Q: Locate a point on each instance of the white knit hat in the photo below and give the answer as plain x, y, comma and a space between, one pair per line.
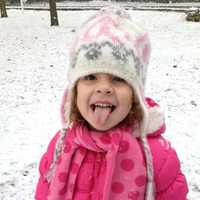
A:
111, 42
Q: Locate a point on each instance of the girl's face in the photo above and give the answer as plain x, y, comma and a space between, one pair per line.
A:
103, 100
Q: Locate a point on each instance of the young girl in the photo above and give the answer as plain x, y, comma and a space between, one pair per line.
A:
111, 145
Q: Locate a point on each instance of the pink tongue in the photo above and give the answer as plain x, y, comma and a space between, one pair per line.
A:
101, 114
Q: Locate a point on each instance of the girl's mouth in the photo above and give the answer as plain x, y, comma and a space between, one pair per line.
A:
108, 106
102, 112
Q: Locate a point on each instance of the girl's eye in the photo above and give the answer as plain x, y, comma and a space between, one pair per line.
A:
89, 77
118, 79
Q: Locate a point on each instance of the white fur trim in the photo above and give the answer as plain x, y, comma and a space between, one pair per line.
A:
155, 119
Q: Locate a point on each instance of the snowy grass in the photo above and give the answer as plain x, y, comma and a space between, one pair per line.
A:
33, 64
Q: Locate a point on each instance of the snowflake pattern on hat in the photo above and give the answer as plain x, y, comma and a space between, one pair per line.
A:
93, 51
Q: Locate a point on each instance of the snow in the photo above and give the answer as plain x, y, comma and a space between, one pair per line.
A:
33, 64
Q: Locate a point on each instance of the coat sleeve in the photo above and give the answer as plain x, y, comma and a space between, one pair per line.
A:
170, 183
45, 162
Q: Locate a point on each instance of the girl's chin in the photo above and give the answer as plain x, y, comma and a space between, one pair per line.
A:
105, 127
97, 127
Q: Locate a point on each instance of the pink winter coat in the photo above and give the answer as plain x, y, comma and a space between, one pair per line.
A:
170, 183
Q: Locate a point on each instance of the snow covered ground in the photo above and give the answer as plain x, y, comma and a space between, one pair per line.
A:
33, 64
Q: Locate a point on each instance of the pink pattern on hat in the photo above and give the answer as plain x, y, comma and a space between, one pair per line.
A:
105, 26
143, 48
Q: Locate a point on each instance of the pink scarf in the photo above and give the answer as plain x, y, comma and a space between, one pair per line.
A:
124, 176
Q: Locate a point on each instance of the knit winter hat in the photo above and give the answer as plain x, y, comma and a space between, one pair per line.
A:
110, 42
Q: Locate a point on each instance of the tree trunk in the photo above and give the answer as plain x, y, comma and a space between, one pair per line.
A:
53, 13
3, 8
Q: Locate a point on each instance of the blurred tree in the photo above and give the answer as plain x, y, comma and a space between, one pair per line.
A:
3, 8
53, 13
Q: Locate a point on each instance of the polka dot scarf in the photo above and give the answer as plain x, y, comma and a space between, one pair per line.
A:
124, 176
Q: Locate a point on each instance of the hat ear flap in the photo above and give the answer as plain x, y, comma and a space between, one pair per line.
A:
156, 122
66, 107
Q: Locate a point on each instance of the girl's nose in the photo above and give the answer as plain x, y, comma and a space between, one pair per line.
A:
104, 88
